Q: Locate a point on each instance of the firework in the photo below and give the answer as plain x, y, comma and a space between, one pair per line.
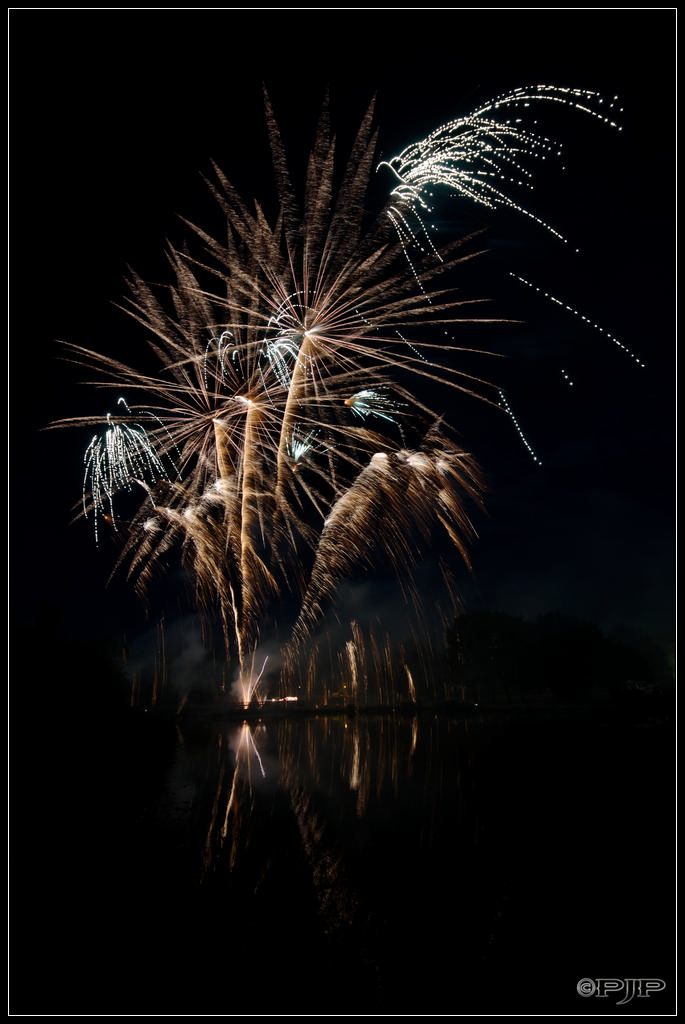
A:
371, 402
124, 455
299, 452
482, 157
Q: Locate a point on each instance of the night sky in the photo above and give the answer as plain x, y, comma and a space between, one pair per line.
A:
115, 115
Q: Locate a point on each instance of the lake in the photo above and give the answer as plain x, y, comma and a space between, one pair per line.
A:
350, 864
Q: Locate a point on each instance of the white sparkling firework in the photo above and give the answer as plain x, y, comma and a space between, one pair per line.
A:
114, 462
480, 157
372, 402
281, 354
300, 446
218, 351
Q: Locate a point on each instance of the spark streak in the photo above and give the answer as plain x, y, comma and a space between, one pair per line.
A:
508, 409
581, 316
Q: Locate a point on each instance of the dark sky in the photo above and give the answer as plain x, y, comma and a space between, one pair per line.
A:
116, 114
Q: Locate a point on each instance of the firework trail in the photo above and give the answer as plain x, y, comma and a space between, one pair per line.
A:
289, 442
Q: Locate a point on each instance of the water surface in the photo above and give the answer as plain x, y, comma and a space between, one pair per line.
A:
359, 864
